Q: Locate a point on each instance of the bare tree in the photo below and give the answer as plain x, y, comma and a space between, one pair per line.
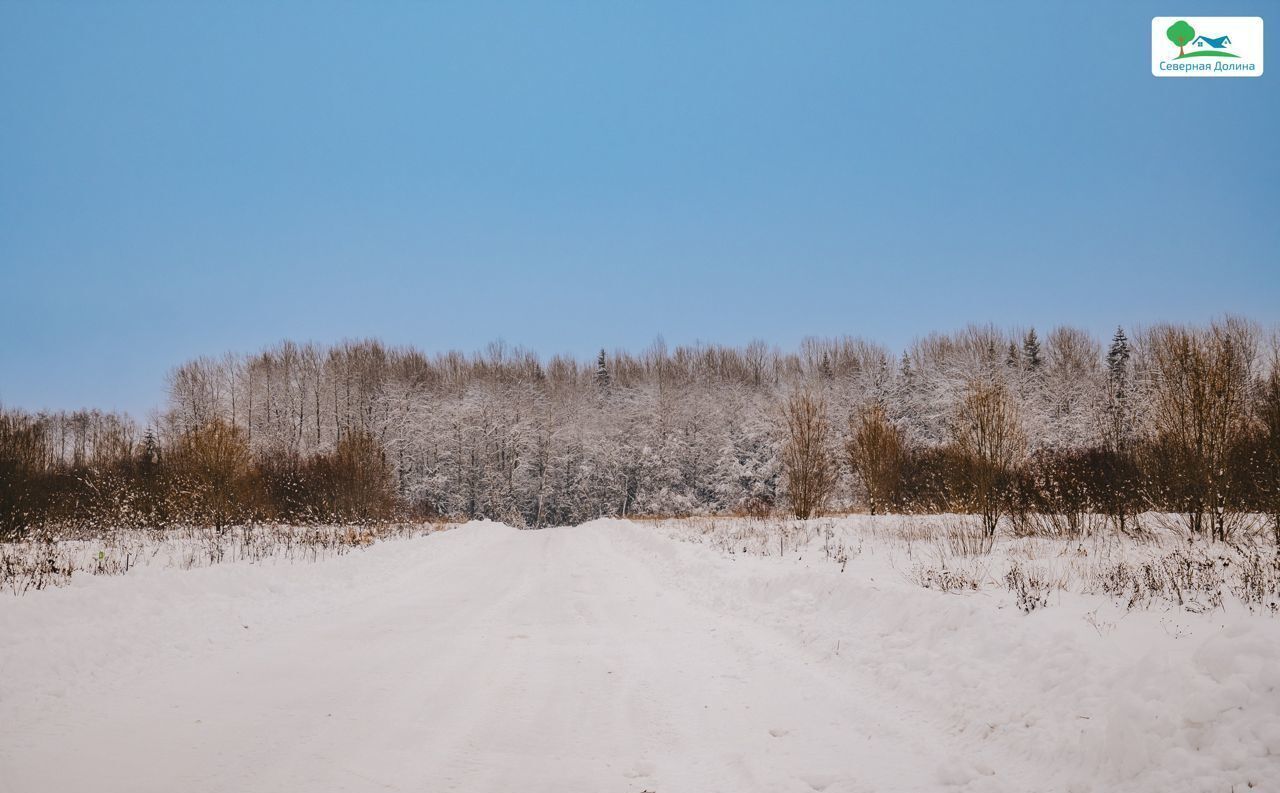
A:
214, 467
989, 443
1180, 423
1267, 463
806, 460
876, 451
353, 482
22, 458
1201, 410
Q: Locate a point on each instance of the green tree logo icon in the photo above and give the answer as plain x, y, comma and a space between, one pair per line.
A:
1181, 34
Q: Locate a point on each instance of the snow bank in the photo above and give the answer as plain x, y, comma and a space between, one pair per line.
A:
1078, 696
101, 632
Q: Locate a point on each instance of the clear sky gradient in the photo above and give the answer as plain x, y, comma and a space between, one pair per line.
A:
178, 180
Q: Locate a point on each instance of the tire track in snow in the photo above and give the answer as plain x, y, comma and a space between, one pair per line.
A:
563, 659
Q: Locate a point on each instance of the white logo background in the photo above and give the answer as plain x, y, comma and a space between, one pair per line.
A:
1246, 42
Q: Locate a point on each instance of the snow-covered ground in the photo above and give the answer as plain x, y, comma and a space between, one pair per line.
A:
617, 656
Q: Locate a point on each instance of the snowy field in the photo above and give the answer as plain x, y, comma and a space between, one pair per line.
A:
856, 654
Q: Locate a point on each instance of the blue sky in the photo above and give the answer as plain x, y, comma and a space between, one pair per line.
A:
180, 179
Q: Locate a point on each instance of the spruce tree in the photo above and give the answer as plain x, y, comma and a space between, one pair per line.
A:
882, 375
1118, 357
150, 448
824, 367
1031, 350
602, 371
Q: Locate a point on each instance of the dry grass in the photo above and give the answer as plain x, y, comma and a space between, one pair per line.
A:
1150, 568
39, 563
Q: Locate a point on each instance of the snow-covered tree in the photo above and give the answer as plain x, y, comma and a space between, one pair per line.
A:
1031, 351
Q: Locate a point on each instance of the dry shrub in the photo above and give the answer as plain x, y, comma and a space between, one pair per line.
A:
964, 538
944, 578
1200, 406
1255, 580
757, 507
988, 443
1030, 586
1190, 578
806, 458
214, 467
30, 564
877, 452
25, 566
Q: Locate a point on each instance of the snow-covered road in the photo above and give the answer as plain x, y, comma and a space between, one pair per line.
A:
479, 659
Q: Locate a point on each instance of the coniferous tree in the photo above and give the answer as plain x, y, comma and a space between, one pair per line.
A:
150, 448
1117, 413
602, 371
1031, 351
690, 430
824, 367
1119, 491
1118, 358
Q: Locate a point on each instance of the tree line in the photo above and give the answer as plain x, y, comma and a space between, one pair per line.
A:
1047, 435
